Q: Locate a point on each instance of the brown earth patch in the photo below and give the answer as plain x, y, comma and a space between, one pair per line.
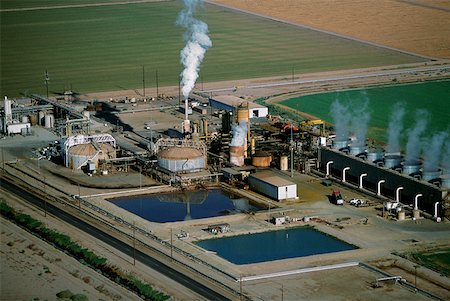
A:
421, 26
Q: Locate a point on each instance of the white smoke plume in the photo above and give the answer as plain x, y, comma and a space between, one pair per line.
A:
360, 122
239, 132
433, 151
341, 117
395, 128
446, 158
197, 42
413, 144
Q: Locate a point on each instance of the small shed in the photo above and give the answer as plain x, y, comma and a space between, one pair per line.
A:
272, 185
279, 219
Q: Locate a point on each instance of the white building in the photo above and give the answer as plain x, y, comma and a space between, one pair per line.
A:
272, 185
231, 103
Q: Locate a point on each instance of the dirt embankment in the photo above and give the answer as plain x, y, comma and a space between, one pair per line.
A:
421, 27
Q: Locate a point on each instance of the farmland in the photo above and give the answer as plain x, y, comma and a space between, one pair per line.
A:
103, 48
432, 97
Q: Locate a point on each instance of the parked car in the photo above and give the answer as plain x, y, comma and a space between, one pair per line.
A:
356, 202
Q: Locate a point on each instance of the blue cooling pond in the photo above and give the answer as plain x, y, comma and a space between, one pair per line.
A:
274, 245
173, 207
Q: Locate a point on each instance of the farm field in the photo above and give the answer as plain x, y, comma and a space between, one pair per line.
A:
430, 96
103, 48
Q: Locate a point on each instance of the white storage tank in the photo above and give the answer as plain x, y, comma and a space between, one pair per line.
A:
272, 185
182, 159
79, 155
49, 121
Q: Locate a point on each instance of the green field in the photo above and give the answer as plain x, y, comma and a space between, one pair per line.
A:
433, 97
103, 48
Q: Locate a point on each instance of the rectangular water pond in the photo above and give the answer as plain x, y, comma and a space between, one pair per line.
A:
274, 245
186, 205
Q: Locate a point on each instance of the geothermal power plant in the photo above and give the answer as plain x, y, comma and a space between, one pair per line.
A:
269, 162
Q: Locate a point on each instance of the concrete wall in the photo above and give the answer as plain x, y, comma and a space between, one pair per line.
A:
412, 187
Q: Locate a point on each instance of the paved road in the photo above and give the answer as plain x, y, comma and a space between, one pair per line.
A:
114, 242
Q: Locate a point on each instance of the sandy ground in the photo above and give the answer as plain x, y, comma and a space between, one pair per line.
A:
421, 27
31, 269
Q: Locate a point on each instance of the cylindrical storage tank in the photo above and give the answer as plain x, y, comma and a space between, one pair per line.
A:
49, 121
401, 215
445, 182
431, 175
78, 155
261, 159
392, 161
357, 150
87, 114
33, 119
284, 163
237, 155
374, 155
416, 214
205, 127
411, 167
181, 159
340, 144
25, 119
41, 115
242, 115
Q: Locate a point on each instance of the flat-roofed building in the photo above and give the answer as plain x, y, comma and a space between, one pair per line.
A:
272, 185
231, 103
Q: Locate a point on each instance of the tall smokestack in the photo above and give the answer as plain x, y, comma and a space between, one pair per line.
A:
8, 111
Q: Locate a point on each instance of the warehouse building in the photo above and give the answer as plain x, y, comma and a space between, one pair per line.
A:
272, 185
231, 103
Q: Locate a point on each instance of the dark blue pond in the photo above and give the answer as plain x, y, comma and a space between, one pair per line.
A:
274, 245
173, 207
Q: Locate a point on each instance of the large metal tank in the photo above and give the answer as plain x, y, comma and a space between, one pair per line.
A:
242, 114
340, 144
392, 161
81, 153
181, 159
357, 150
374, 155
49, 121
237, 155
284, 163
33, 119
261, 159
430, 175
445, 182
411, 167
41, 116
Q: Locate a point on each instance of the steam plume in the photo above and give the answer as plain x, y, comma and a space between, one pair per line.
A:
341, 118
446, 158
395, 128
239, 134
360, 122
433, 151
413, 144
197, 42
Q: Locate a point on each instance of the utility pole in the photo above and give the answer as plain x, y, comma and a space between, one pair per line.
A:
45, 198
134, 243
171, 243
157, 85
46, 80
143, 80
179, 90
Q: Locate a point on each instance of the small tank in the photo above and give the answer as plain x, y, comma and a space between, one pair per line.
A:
261, 159
411, 167
357, 150
392, 161
430, 175
445, 181
340, 144
374, 155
